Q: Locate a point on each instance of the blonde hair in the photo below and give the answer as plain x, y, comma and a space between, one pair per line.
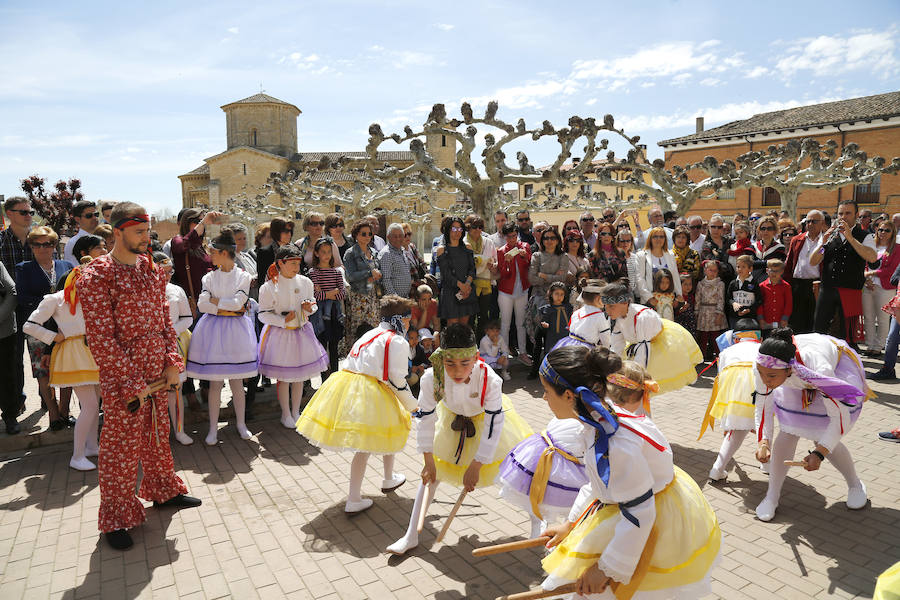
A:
745, 258
621, 395
41, 231
775, 263
650, 233
105, 231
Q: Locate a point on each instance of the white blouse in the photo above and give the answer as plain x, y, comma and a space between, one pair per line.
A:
635, 467
641, 324
284, 296
462, 399
569, 435
54, 306
367, 357
179, 308
590, 324
645, 265
231, 288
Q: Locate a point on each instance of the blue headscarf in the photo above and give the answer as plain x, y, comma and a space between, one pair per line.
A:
396, 323
606, 426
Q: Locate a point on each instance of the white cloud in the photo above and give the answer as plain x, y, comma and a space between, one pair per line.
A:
444, 26
591, 102
833, 55
309, 63
403, 59
528, 95
713, 115
710, 81
233, 30
756, 72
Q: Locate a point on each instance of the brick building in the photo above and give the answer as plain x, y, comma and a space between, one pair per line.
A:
872, 122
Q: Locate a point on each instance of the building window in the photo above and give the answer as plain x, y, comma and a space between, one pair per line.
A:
443, 141
726, 194
771, 197
529, 188
252, 137
245, 168
586, 188
868, 193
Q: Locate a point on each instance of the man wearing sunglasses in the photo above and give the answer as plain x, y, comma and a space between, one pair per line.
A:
695, 227
588, 232
87, 217
523, 224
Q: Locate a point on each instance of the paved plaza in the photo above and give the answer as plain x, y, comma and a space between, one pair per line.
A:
272, 522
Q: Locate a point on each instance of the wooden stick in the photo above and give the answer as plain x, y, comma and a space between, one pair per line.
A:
510, 546
452, 514
537, 593
795, 463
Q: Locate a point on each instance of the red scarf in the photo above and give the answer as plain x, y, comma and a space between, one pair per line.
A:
740, 247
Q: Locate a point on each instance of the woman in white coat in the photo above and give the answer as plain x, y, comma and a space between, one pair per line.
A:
653, 257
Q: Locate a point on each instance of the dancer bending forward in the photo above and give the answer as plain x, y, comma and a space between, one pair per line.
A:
641, 527
815, 385
464, 426
365, 407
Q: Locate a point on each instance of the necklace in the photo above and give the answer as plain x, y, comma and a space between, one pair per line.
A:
50, 274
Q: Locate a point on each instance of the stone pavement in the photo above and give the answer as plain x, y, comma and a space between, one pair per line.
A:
272, 522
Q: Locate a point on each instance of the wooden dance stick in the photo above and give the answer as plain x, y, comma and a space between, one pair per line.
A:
452, 514
510, 546
795, 463
537, 593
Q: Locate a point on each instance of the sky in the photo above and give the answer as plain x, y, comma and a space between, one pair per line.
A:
127, 98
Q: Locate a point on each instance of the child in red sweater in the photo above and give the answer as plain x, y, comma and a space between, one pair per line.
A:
777, 300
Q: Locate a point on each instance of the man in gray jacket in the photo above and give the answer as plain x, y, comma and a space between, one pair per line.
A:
9, 397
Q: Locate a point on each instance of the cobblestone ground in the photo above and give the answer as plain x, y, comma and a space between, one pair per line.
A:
272, 522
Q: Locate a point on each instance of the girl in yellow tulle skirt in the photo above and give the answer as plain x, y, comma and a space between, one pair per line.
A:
365, 407
641, 527
464, 424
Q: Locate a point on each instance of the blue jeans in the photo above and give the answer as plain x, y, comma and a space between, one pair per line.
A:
893, 343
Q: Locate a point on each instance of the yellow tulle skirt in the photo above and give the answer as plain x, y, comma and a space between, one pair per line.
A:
351, 411
887, 587
71, 364
682, 548
446, 442
731, 401
673, 355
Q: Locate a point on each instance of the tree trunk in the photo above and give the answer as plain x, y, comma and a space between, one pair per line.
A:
484, 202
789, 200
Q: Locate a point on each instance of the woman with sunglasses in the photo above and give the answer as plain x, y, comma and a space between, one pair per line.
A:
314, 226
335, 228
878, 290
607, 262
767, 247
652, 258
457, 266
715, 247
548, 266
362, 270
578, 262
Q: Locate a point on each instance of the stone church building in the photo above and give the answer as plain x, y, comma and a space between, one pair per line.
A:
261, 138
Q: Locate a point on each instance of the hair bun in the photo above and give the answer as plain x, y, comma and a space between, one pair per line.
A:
783, 333
602, 362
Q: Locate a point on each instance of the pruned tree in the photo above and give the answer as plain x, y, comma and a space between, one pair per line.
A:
56, 208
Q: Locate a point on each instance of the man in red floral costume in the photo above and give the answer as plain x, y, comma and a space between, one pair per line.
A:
130, 335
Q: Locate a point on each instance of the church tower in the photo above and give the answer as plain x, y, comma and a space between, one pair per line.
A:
262, 122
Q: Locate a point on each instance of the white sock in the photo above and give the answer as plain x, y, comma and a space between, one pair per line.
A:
357, 472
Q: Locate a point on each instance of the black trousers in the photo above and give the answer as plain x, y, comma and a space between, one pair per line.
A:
10, 393
329, 338
19, 365
804, 306
828, 308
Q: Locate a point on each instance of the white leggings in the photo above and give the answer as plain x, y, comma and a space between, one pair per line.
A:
783, 449
731, 442
85, 434
508, 304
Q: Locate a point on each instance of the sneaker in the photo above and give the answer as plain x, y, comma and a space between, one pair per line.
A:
882, 375
82, 464
505, 375
389, 485
890, 436
525, 359
351, 508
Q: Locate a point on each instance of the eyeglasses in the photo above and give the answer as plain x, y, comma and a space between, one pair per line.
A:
523, 219
21, 211
605, 233
456, 229
625, 241
572, 228
364, 234
716, 226
884, 231
92, 215
338, 225
767, 228
696, 226
42, 244
550, 238
316, 223
587, 220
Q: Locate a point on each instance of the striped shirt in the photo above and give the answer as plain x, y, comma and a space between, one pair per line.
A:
326, 280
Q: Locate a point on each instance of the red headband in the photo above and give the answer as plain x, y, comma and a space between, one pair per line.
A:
131, 221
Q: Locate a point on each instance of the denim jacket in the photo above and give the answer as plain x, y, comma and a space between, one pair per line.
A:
356, 268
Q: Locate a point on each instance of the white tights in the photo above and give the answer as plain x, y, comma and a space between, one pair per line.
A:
783, 449
358, 471
85, 435
730, 443
215, 401
290, 394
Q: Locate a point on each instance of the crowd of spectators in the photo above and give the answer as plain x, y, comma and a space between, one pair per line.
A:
835, 275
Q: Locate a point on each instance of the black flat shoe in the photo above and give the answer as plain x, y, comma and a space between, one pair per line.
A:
179, 501
57, 425
119, 539
69, 420
12, 427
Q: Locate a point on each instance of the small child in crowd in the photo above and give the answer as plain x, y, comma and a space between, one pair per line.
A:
426, 339
418, 361
494, 350
742, 298
685, 315
777, 301
710, 308
742, 245
554, 319
329, 294
664, 294
425, 312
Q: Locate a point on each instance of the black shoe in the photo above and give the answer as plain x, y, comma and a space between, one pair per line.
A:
12, 427
179, 501
69, 421
58, 424
119, 539
882, 375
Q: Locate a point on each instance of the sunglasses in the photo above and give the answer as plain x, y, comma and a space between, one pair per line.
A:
456, 229
520, 220
316, 223
364, 234
716, 226
604, 233
42, 244
696, 226
338, 225
884, 231
22, 211
92, 215
588, 220
767, 229
550, 238
625, 241
572, 228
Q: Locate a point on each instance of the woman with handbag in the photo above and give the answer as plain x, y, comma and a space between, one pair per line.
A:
362, 272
